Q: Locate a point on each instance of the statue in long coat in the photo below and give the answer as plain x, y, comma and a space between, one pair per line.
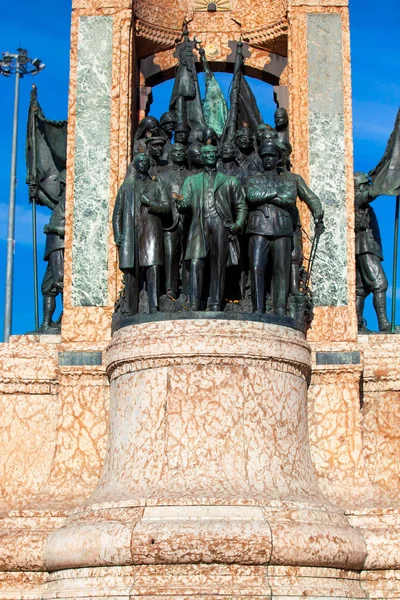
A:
138, 233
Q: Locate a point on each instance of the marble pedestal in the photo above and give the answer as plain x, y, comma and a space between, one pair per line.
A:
208, 486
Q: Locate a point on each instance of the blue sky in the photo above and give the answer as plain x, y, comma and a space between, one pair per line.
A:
43, 28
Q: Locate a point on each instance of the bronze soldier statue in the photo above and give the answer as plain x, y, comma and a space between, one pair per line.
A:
53, 280
281, 119
172, 178
271, 230
265, 133
370, 275
210, 136
155, 150
182, 132
314, 205
148, 127
247, 157
218, 208
138, 233
168, 121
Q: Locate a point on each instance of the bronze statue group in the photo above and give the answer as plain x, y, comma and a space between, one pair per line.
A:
206, 218
198, 220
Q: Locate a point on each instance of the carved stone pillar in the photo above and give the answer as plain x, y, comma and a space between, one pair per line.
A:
321, 130
99, 140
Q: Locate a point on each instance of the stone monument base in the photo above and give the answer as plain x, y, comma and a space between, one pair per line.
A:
208, 486
205, 582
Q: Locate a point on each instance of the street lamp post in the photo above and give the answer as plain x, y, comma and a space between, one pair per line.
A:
19, 65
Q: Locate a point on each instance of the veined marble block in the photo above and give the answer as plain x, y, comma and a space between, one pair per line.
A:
327, 154
92, 162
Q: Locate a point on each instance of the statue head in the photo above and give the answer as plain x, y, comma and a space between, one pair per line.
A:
361, 181
141, 162
281, 118
210, 136
178, 154
182, 131
148, 127
168, 120
244, 138
198, 134
194, 156
265, 133
270, 154
155, 146
228, 152
209, 155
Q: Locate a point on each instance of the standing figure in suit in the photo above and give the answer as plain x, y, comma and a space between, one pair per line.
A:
218, 207
172, 178
138, 233
271, 230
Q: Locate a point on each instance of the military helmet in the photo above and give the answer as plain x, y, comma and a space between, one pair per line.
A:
360, 177
168, 117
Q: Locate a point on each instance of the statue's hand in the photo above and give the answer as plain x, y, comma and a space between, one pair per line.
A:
318, 214
235, 228
46, 229
33, 188
178, 197
118, 240
144, 200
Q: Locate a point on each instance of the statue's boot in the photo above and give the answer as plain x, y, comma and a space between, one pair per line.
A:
380, 308
153, 287
360, 302
294, 279
49, 307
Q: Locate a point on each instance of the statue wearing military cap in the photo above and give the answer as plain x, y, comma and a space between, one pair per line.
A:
270, 228
370, 275
182, 132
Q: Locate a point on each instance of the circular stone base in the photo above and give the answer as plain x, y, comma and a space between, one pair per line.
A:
204, 581
208, 456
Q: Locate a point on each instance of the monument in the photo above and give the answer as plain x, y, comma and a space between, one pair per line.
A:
206, 421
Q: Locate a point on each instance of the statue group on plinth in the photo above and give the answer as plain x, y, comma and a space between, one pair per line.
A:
206, 218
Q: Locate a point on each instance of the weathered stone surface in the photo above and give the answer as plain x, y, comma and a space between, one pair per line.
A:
92, 162
327, 154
